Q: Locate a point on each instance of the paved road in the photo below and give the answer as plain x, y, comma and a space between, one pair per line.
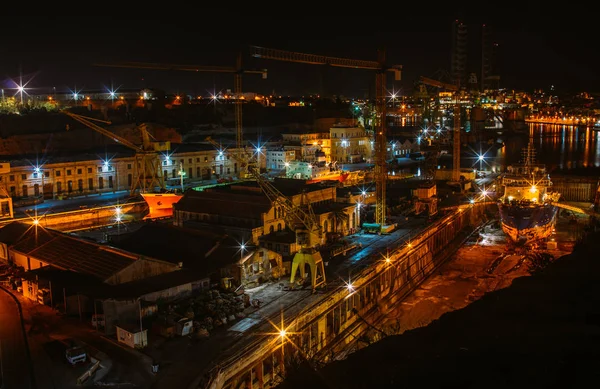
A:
16, 367
45, 331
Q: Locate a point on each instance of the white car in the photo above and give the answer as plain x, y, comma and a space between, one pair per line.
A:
76, 355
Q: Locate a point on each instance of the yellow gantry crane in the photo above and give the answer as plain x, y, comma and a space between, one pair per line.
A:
147, 168
299, 218
380, 127
237, 70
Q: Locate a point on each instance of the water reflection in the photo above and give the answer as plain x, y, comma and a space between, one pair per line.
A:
557, 147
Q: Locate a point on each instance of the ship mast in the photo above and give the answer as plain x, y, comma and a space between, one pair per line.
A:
529, 154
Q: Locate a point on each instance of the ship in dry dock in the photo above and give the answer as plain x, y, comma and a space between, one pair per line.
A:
527, 206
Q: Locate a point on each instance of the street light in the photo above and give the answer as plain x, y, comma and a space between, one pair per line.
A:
39, 173
20, 89
481, 158
181, 174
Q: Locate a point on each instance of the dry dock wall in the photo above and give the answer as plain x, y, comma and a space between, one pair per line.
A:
332, 326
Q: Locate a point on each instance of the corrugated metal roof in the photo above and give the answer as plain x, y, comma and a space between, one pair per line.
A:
69, 253
243, 205
171, 243
12, 232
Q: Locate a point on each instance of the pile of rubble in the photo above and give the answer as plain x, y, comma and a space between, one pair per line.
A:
212, 309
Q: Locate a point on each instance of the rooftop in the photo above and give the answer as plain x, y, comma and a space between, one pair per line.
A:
149, 285
171, 243
93, 154
69, 253
225, 202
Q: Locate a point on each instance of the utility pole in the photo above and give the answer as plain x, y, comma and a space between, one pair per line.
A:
181, 174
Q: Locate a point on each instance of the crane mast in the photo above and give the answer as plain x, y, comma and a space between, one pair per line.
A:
239, 135
457, 120
380, 145
380, 134
147, 171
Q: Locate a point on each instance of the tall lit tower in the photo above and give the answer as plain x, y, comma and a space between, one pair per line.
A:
458, 64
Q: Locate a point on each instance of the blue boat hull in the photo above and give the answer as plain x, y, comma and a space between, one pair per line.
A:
524, 224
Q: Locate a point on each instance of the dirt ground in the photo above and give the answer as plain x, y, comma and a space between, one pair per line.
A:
468, 275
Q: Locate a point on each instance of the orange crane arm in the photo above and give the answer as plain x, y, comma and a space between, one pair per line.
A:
87, 122
313, 59
438, 84
185, 68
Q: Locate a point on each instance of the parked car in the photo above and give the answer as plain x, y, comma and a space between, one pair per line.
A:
75, 355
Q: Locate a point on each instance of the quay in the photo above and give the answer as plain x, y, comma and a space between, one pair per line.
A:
566, 121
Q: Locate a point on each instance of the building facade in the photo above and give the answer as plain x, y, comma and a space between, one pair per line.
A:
79, 176
278, 159
350, 144
248, 215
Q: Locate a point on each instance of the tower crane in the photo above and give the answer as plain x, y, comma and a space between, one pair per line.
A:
147, 174
380, 133
300, 218
456, 130
237, 70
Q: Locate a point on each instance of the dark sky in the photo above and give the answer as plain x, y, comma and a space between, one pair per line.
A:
537, 48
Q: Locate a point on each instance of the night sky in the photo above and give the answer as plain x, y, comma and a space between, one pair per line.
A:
537, 48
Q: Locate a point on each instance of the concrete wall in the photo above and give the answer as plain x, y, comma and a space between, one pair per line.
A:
575, 188
90, 218
140, 269
177, 292
25, 261
119, 311
138, 339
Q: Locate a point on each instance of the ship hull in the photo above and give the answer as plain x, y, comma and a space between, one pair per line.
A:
525, 224
161, 204
337, 177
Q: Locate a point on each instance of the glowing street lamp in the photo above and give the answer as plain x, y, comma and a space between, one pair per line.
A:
181, 174
481, 158
21, 89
